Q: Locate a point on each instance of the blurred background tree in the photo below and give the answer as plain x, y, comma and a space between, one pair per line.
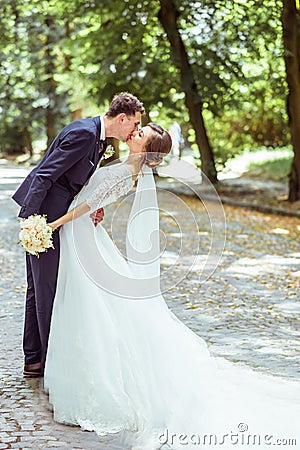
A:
291, 38
215, 67
30, 60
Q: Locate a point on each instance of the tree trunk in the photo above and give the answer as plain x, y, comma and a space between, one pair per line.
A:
77, 113
67, 56
50, 83
291, 40
168, 16
28, 140
50, 126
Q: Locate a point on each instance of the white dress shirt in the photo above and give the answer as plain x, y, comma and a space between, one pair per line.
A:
102, 132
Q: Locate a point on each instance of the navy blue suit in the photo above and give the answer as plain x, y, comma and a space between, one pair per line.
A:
49, 189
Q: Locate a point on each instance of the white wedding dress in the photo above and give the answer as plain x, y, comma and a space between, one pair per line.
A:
120, 361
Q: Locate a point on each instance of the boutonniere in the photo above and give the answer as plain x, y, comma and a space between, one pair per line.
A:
109, 152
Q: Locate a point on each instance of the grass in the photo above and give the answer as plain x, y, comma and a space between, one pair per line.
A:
265, 164
276, 169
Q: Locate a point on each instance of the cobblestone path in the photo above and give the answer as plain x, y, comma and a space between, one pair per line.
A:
247, 311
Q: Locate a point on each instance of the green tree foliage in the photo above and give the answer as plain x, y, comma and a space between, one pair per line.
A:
234, 49
30, 61
251, 110
61, 55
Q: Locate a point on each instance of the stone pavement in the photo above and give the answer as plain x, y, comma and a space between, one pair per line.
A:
247, 311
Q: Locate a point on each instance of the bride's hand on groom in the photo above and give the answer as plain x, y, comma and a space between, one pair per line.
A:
97, 216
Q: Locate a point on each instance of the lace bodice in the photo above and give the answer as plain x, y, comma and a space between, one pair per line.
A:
107, 185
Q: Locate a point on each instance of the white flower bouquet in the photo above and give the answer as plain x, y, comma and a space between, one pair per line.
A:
35, 234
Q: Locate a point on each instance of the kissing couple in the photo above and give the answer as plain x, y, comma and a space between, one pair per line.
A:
114, 358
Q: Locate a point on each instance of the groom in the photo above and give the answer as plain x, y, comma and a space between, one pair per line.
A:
49, 189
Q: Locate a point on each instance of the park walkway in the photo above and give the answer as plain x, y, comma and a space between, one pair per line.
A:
247, 311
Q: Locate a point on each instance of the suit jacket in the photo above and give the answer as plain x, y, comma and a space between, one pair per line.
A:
65, 168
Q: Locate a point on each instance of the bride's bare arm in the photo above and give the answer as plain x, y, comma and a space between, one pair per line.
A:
71, 215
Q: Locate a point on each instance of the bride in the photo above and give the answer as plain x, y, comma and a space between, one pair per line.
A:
119, 361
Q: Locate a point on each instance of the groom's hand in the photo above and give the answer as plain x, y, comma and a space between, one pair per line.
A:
97, 216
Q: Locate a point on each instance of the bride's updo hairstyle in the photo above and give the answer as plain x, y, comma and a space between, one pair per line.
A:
157, 146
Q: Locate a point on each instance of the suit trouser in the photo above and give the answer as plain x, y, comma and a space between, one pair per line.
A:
41, 285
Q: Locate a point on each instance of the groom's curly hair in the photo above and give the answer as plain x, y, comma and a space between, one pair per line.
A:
158, 145
125, 103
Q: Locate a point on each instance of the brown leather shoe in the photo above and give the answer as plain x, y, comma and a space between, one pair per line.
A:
33, 370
